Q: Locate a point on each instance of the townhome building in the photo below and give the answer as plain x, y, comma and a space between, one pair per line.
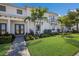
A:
12, 20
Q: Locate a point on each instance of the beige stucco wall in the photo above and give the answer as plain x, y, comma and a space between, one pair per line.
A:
3, 21
13, 10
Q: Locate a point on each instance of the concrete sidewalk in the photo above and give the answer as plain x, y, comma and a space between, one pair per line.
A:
77, 54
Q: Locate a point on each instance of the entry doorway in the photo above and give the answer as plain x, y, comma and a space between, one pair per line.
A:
19, 29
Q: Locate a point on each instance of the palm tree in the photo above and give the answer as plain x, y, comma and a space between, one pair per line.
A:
77, 19
74, 16
65, 22
37, 14
60, 20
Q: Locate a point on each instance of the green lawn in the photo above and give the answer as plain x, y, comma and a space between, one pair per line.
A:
4, 48
54, 46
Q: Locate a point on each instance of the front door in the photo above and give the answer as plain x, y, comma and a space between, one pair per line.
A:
19, 29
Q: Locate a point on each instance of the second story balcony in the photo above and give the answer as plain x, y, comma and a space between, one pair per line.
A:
11, 17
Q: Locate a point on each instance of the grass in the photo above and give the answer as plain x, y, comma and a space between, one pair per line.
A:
4, 48
54, 46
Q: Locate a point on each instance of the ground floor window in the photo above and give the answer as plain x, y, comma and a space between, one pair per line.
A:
3, 28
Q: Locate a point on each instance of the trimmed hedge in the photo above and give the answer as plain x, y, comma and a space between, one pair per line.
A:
29, 37
6, 38
44, 35
32, 37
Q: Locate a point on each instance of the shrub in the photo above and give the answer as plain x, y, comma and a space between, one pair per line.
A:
29, 37
6, 34
13, 37
26, 38
6, 38
36, 36
55, 33
44, 35
74, 31
48, 35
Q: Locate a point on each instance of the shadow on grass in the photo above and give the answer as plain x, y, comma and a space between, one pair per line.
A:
34, 43
73, 42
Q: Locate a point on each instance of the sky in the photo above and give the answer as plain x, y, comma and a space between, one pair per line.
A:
59, 8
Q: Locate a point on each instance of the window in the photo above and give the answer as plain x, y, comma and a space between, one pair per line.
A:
2, 28
52, 18
2, 8
19, 11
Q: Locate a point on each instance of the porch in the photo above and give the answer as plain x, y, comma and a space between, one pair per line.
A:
13, 25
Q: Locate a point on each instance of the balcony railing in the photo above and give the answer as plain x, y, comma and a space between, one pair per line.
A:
10, 17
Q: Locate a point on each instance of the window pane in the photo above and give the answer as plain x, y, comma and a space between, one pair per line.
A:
2, 8
17, 29
3, 27
21, 31
21, 27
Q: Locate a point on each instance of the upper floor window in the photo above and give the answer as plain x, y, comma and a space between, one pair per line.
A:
2, 8
52, 18
19, 11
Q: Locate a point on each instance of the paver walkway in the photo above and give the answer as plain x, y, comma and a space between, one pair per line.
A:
18, 47
77, 54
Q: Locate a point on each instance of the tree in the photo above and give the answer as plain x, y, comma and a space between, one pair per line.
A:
77, 19
65, 22
60, 19
74, 16
37, 14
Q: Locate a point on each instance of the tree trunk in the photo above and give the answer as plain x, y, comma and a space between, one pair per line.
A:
35, 27
77, 27
62, 29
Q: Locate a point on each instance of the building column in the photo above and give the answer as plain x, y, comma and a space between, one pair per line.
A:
8, 26
27, 26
